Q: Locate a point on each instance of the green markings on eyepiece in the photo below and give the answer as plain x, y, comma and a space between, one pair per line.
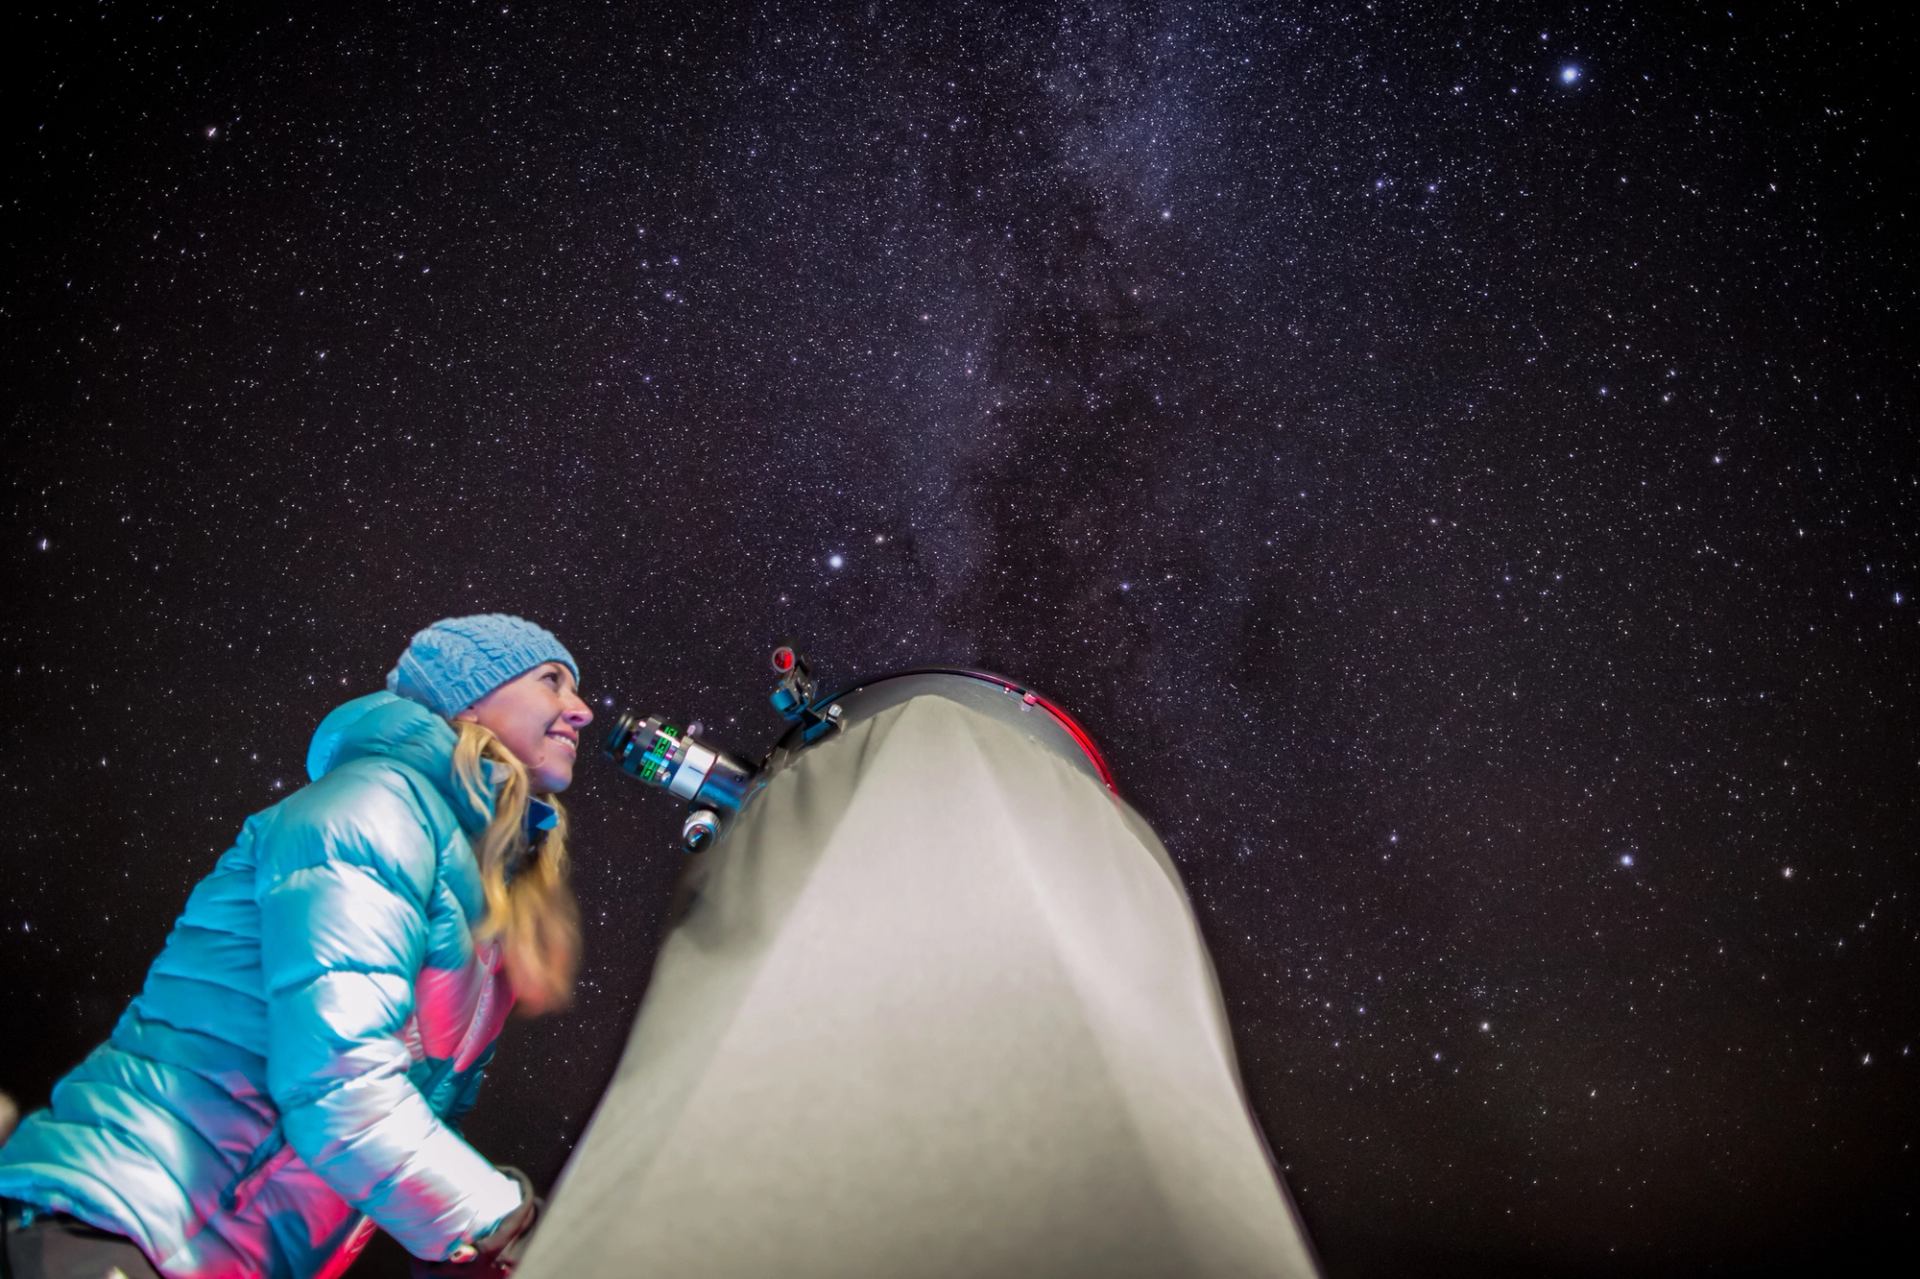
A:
658, 762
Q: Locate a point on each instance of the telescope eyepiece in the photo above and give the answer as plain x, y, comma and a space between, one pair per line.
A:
673, 759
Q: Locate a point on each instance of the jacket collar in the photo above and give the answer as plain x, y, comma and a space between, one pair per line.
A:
541, 816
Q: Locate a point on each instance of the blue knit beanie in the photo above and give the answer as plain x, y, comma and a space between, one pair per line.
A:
459, 660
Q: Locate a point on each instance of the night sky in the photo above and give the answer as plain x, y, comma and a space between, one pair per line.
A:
1462, 469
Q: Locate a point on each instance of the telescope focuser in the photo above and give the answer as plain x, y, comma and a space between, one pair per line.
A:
714, 783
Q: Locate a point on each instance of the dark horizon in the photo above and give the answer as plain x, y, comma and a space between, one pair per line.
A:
1460, 467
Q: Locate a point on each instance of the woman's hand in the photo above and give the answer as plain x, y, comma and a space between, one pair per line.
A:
494, 1254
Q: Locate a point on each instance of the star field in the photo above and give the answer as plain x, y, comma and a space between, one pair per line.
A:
1460, 466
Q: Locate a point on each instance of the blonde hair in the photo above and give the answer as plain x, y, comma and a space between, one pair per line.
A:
530, 905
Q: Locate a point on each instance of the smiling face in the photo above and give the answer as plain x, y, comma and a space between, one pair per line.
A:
538, 716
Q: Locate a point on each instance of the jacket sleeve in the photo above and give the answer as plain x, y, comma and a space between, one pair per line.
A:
343, 888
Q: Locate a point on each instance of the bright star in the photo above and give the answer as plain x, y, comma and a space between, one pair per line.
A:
836, 561
1569, 73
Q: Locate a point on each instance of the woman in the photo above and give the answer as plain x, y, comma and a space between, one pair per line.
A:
293, 1071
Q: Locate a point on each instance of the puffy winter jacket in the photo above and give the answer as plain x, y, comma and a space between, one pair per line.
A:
291, 1073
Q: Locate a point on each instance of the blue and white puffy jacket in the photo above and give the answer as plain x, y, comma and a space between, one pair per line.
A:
290, 1076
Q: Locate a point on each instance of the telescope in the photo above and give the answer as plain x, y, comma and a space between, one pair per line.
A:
932, 1003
